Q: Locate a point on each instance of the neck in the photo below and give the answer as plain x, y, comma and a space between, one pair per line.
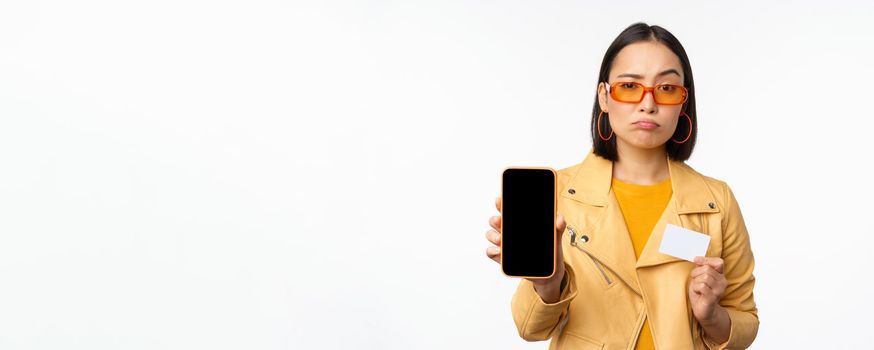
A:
641, 166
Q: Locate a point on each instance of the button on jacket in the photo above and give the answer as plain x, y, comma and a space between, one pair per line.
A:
610, 292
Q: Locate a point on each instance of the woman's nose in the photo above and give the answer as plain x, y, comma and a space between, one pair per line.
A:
648, 104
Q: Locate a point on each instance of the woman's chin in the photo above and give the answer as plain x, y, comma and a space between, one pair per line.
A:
646, 143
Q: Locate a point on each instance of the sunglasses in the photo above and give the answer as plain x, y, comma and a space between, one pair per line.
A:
663, 94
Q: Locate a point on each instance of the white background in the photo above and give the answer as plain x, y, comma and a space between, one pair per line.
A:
319, 175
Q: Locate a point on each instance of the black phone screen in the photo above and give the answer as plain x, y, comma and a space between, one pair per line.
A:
528, 222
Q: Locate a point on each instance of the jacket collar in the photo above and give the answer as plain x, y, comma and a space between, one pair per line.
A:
592, 183
608, 238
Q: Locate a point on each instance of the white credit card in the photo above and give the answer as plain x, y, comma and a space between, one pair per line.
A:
683, 243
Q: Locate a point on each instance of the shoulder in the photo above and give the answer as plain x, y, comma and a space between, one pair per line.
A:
563, 175
568, 171
711, 181
719, 188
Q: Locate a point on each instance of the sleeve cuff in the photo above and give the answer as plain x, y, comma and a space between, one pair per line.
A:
743, 329
536, 319
567, 294
713, 345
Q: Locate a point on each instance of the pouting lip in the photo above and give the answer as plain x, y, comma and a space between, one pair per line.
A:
647, 120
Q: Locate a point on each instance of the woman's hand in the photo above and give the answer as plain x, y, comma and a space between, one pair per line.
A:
548, 289
706, 286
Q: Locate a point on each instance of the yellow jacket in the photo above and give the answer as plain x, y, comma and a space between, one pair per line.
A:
609, 291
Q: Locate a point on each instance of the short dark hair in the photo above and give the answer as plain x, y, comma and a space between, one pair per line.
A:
638, 32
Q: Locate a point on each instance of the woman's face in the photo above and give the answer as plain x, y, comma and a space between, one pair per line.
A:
649, 63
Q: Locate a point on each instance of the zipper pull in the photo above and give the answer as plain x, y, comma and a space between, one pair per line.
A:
573, 236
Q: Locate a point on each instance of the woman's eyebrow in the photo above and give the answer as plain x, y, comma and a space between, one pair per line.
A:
638, 76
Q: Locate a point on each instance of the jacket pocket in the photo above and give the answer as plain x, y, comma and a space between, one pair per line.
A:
601, 270
576, 242
570, 340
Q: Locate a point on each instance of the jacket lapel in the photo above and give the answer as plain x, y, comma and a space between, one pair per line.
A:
691, 195
609, 240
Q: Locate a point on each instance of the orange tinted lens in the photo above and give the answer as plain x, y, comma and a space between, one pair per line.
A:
669, 94
627, 92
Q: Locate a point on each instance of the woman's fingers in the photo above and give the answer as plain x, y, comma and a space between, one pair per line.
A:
716, 263
701, 288
494, 237
713, 276
708, 275
709, 284
699, 271
495, 222
705, 271
494, 253
706, 279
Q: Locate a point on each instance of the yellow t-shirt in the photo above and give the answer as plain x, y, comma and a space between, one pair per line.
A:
642, 206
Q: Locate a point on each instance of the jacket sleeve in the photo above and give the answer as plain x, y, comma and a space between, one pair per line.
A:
535, 319
738, 261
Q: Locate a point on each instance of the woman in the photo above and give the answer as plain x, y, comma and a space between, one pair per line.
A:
613, 288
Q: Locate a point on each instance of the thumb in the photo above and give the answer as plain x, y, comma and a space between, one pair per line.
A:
559, 225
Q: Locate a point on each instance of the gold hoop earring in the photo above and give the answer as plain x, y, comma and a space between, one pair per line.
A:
599, 129
690, 129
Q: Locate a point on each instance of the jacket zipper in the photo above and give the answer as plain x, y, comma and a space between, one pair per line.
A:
595, 261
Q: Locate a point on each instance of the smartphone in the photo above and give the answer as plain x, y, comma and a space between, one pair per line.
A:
528, 205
